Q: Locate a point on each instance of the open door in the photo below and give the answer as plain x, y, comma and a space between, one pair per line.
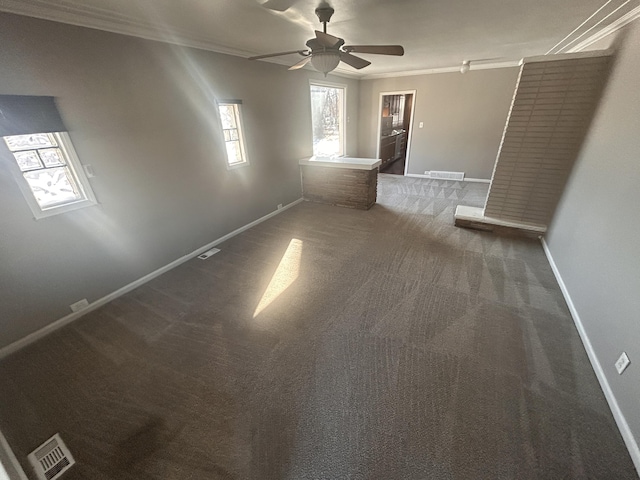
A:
394, 131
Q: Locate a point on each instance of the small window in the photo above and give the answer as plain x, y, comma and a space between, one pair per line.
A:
50, 175
328, 119
40, 156
233, 134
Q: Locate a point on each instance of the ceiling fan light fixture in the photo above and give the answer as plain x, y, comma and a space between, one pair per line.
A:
325, 62
325, 51
466, 66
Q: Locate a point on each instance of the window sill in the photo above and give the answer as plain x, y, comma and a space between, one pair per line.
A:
69, 207
237, 165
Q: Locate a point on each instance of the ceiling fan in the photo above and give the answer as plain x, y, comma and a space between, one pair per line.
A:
325, 51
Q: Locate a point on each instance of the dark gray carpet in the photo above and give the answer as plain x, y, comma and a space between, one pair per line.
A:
394, 346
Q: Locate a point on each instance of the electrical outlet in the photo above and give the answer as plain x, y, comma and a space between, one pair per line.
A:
279, 206
79, 305
421, 125
208, 253
622, 363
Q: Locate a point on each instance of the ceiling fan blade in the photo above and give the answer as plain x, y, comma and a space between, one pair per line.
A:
279, 5
355, 62
327, 40
301, 63
377, 49
258, 57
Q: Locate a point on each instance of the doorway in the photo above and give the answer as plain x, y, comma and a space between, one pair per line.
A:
395, 117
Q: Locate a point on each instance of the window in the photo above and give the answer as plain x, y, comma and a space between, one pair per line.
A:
41, 156
328, 119
233, 135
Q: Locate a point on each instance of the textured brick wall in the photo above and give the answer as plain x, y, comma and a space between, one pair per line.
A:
340, 186
550, 114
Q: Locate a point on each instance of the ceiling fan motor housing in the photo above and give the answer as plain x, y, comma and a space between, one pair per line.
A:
324, 14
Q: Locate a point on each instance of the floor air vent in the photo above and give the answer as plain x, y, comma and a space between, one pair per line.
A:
446, 175
51, 459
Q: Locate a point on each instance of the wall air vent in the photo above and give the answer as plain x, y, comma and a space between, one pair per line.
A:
446, 175
51, 459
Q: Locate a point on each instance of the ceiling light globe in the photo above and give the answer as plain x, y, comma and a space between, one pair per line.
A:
325, 62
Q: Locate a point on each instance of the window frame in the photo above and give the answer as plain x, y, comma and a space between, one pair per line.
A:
73, 163
236, 104
345, 117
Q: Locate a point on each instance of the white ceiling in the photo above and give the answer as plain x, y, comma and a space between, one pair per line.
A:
436, 34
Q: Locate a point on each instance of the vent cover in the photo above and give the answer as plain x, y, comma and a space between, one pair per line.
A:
51, 459
208, 253
446, 175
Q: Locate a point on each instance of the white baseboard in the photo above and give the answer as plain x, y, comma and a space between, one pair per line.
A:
38, 334
416, 175
623, 426
466, 179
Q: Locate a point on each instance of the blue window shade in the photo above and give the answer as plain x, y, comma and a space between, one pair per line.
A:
21, 115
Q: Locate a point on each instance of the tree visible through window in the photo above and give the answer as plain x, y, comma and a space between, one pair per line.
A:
46, 164
45, 168
327, 115
232, 131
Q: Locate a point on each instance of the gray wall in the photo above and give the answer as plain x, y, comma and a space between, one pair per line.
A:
463, 115
142, 114
595, 234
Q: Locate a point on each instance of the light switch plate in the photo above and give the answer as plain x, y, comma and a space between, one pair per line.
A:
622, 363
88, 170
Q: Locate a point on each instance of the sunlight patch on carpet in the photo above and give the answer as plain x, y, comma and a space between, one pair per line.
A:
286, 273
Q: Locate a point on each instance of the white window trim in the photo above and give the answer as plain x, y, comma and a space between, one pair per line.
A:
345, 117
241, 135
64, 141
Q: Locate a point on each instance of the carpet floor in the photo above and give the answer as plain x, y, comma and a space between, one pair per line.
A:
328, 343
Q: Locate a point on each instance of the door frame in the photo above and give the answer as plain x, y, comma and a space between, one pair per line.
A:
409, 133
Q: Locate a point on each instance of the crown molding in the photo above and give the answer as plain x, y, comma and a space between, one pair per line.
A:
613, 27
73, 13
431, 71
